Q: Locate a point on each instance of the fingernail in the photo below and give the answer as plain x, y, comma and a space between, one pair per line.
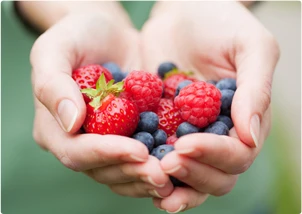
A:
67, 114
178, 171
155, 193
135, 158
255, 128
149, 180
181, 208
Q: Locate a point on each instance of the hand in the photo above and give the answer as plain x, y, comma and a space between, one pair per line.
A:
215, 40
119, 162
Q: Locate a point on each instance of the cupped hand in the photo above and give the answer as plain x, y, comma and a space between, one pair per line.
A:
215, 40
119, 162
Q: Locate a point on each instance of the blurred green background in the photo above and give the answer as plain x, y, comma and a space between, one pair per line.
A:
34, 182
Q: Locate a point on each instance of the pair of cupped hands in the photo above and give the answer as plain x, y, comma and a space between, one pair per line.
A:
213, 39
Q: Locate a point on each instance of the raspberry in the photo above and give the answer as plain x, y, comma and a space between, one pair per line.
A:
199, 103
144, 89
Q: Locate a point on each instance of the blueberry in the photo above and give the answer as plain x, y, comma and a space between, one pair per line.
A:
181, 85
160, 151
213, 82
227, 83
115, 70
146, 138
226, 101
160, 137
148, 122
176, 182
217, 127
165, 68
186, 128
226, 120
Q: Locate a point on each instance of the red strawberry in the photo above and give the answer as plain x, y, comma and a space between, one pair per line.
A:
107, 113
169, 116
87, 76
144, 89
199, 103
171, 81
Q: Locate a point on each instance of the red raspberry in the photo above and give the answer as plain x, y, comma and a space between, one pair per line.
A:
169, 116
171, 82
199, 103
144, 89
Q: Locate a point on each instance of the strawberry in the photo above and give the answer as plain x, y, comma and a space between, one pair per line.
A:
172, 79
169, 116
172, 139
144, 89
87, 76
108, 113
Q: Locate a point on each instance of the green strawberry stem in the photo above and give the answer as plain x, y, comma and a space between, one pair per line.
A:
176, 71
102, 90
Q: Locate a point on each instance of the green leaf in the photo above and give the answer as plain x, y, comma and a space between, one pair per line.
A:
101, 84
90, 92
96, 102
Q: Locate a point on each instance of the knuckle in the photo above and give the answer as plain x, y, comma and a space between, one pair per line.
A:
68, 162
243, 167
273, 45
223, 190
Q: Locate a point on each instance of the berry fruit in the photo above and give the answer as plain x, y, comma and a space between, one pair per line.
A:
169, 116
144, 89
199, 103
186, 128
181, 85
115, 71
171, 81
217, 128
146, 138
148, 122
160, 137
107, 113
160, 151
164, 68
87, 76
226, 101
227, 83
226, 120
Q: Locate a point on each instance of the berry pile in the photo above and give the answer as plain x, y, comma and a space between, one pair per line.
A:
154, 109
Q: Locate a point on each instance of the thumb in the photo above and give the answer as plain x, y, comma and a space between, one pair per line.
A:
255, 67
53, 85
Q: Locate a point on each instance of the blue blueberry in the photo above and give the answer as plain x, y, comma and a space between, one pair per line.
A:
165, 68
226, 83
160, 137
115, 70
148, 122
176, 182
160, 151
213, 82
181, 85
226, 101
146, 138
217, 127
186, 128
226, 120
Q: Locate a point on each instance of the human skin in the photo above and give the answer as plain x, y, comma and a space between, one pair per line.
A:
233, 44
215, 40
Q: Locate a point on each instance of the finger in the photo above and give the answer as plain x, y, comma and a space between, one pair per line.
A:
149, 171
255, 61
182, 198
222, 152
199, 176
52, 60
140, 190
85, 151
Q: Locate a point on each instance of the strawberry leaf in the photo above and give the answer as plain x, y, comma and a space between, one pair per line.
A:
101, 84
90, 92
